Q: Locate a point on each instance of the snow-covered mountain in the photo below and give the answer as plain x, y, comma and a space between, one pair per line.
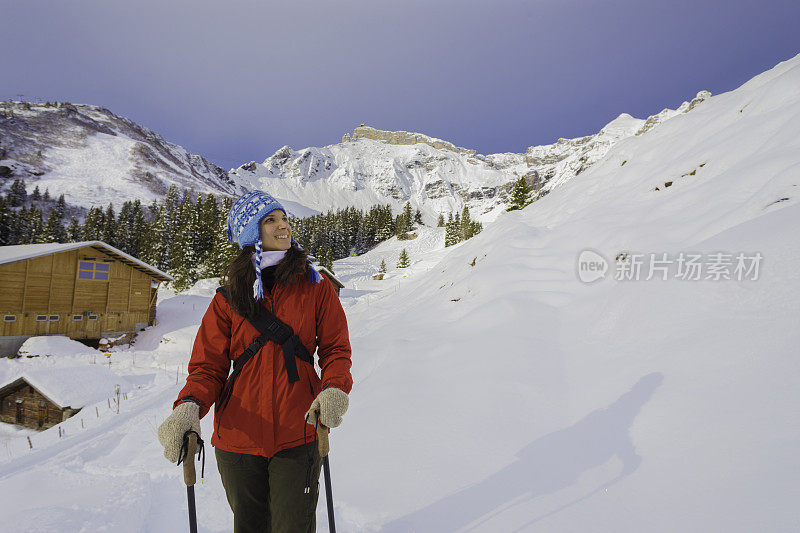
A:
549, 166
373, 166
93, 157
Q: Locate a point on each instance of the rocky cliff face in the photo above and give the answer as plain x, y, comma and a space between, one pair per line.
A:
404, 138
93, 156
375, 166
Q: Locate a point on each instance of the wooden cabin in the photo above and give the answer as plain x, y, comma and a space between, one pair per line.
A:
337, 285
22, 404
84, 290
42, 398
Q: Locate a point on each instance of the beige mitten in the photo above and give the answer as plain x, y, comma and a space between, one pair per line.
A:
185, 417
331, 403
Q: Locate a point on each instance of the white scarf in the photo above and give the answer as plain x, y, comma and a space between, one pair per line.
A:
269, 258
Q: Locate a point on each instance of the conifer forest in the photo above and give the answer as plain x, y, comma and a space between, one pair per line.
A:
185, 234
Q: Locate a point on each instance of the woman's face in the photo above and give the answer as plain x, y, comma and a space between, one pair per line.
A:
275, 232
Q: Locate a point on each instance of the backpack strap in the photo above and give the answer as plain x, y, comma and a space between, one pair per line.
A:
271, 329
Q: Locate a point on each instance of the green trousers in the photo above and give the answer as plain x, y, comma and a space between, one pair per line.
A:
266, 494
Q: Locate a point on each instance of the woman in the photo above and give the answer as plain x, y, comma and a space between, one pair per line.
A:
264, 424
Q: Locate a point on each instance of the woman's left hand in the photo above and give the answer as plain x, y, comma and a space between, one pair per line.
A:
332, 404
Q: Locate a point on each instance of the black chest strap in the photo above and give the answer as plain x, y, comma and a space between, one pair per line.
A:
271, 329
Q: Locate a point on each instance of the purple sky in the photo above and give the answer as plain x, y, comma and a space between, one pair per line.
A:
233, 81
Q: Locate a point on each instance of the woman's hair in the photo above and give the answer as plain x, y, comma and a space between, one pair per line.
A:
240, 276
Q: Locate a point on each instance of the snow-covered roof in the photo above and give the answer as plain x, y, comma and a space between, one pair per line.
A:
73, 386
20, 252
323, 270
53, 345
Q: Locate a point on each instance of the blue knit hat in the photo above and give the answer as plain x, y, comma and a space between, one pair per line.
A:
244, 228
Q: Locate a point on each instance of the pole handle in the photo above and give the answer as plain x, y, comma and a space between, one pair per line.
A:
322, 438
189, 473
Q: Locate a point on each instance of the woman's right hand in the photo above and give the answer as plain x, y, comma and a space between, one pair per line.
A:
185, 417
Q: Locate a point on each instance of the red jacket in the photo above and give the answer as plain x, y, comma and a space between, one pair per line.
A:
265, 413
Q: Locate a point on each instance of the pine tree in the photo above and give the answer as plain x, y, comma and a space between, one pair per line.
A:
475, 228
123, 228
208, 213
6, 220
183, 263
61, 207
385, 229
401, 227
46, 195
451, 231
17, 196
403, 261
418, 217
22, 223
465, 231
408, 215
54, 230
326, 259
73, 230
180, 268
36, 226
163, 230
36, 195
361, 242
93, 225
153, 210
137, 229
440, 222
222, 251
382, 269
109, 231
520, 195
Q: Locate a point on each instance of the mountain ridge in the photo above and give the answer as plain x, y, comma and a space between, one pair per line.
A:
437, 177
94, 156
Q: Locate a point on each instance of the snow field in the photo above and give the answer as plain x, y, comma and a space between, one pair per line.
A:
509, 395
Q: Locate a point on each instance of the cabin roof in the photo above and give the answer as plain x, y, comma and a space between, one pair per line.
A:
21, 252
334, 280
74, 387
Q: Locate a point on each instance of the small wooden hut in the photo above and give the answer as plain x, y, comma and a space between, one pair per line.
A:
337, 285
42, 398
23, 404
84, 290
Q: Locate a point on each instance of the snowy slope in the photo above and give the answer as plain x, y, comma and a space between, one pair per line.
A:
522, 399
509, 395
94, 157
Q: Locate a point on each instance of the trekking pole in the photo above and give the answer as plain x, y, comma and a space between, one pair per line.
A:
324, 448
188, 450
